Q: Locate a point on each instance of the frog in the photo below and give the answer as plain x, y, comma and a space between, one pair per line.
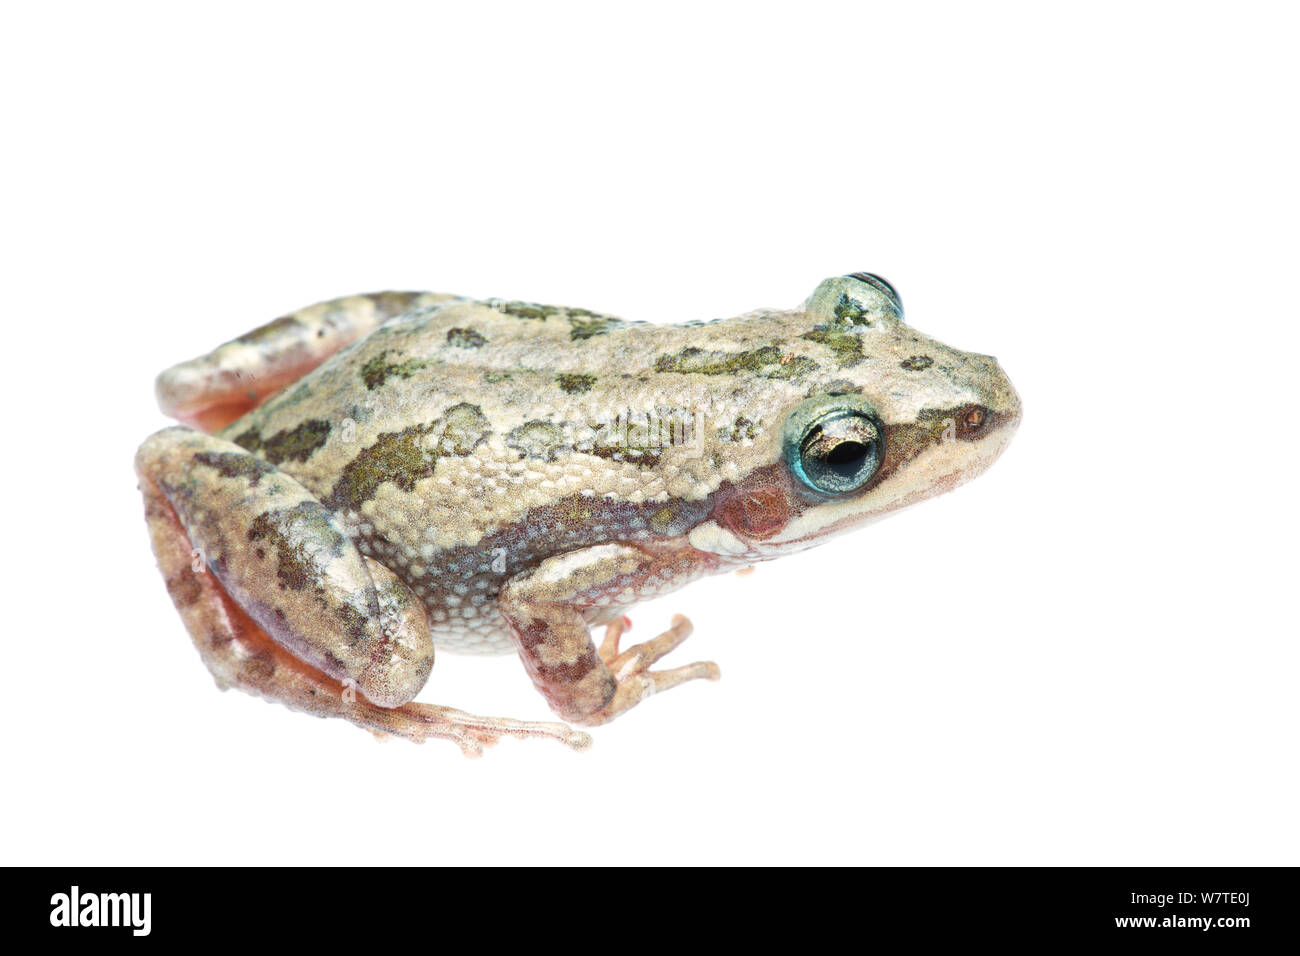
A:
366, 480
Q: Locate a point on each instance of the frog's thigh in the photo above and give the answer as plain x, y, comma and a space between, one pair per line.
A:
239, 654
282, 558
549, 607
213, 390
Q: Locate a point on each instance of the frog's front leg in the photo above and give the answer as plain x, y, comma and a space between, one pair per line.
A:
280, 603
551, 607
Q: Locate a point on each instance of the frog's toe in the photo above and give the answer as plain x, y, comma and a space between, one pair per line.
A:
421, 722
614, 632
631, 668
640, 656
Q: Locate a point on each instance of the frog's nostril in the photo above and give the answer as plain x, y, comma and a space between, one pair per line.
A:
996, 395
1008, 406
1015, 413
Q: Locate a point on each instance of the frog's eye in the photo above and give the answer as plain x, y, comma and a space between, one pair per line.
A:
834, 443
880, 284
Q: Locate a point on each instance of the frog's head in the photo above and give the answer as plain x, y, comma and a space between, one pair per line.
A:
902, 418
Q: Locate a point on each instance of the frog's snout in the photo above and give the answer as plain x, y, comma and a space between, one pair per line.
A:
998, 397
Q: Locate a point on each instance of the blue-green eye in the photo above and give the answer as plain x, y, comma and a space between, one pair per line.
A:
881, 284
834, 443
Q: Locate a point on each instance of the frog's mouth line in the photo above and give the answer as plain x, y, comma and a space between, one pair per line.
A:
939, 466
936, 467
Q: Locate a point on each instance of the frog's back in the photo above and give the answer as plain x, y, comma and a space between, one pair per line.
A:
511, 399
508, 336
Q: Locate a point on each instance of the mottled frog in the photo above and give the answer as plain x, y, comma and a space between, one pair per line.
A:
368, 478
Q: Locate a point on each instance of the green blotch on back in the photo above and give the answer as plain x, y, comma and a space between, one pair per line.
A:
639, 441
769, 361
250, 439
527, 310
697, 361
586, 325
583, 323
296, 444
846, 346
465, 339
642, 457
406, 456
838, 335
378, 370
575, 383
850, 311
538, 439
462, 428
743, 429
400, 457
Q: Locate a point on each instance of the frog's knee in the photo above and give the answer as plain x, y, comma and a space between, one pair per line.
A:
286, 561
160, 448
395, 676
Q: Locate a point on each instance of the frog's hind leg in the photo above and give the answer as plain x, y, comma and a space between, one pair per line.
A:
226, 599
211, 391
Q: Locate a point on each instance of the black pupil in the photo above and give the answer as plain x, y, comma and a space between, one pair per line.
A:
846, 458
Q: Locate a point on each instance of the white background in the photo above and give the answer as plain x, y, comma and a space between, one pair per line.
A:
1088, 656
